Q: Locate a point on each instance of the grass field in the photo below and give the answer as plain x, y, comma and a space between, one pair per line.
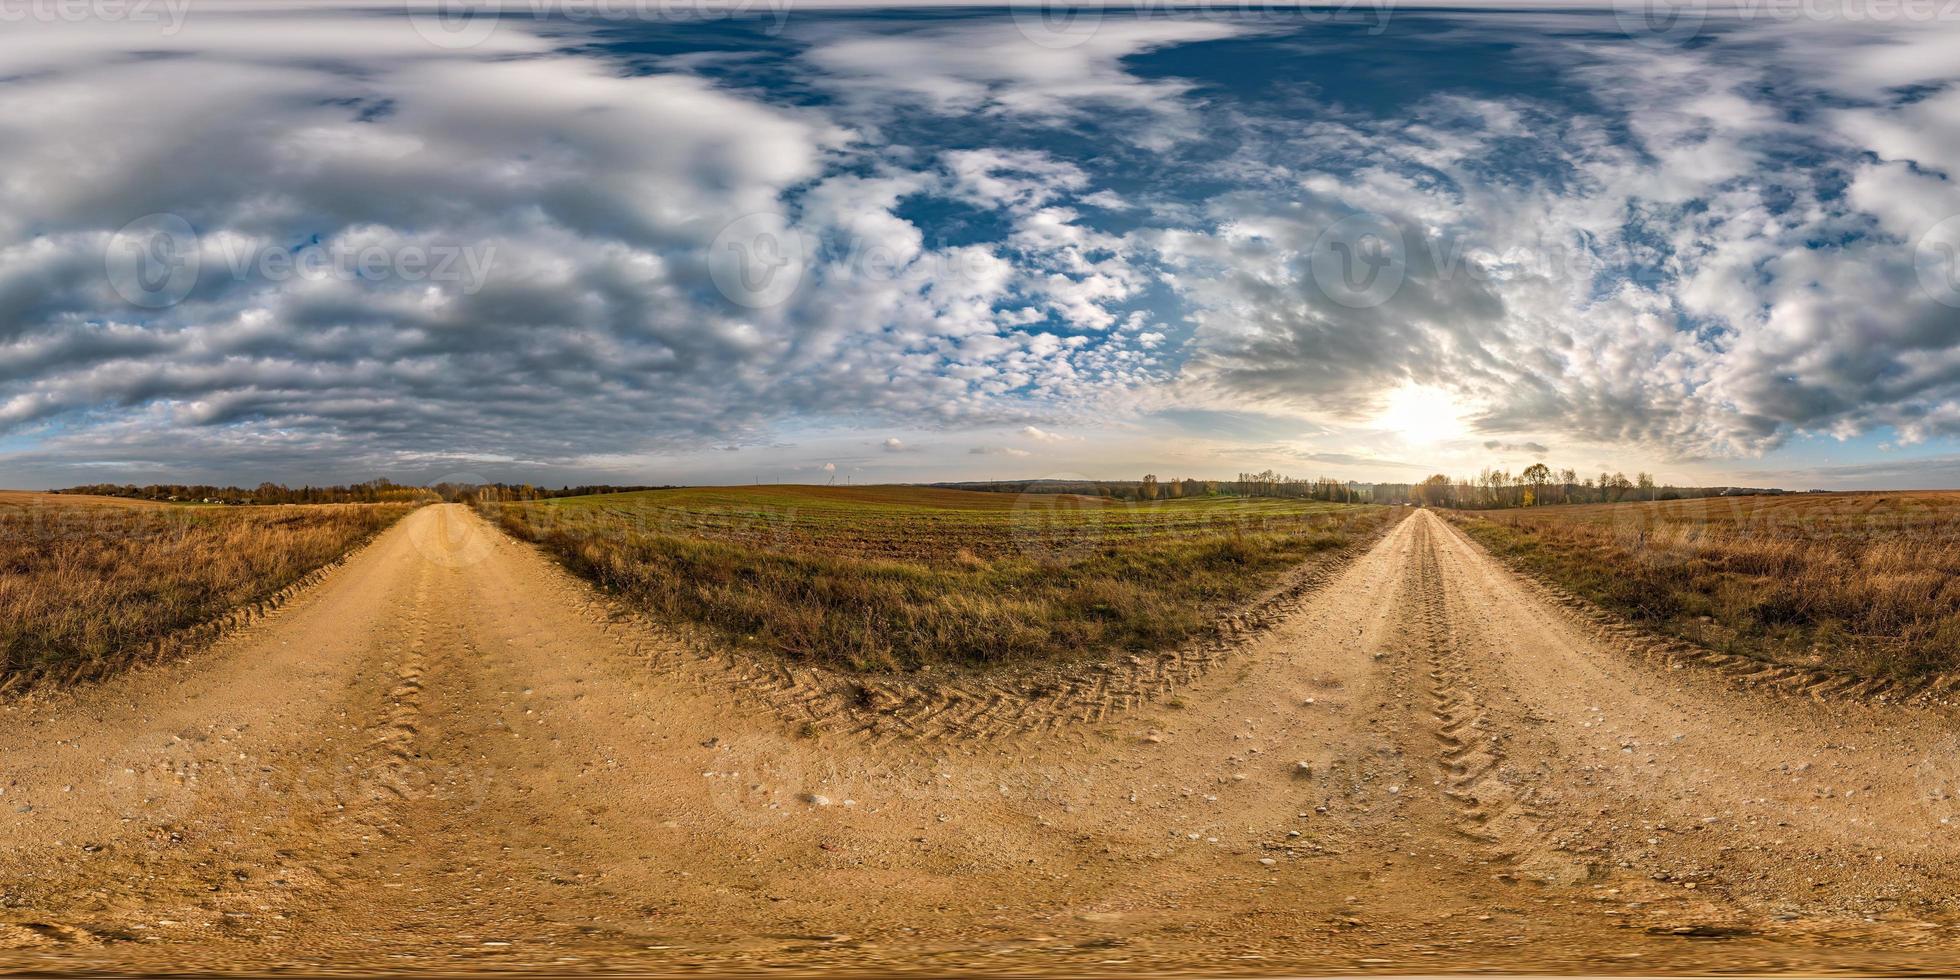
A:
899, 577
1868, 582
87, 583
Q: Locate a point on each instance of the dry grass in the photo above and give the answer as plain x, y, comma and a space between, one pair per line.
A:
1865, 582
88, 583
898, 577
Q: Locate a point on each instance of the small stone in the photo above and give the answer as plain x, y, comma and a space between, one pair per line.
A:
815, 799
1303, 769
1268, 862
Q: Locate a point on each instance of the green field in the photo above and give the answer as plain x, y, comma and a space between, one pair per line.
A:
899, 577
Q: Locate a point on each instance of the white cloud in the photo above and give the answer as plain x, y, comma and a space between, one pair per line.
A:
992, 67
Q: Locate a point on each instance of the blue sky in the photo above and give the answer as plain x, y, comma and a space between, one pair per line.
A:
668, 242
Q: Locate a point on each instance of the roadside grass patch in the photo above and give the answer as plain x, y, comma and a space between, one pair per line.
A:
1864, 582
873, 578
86, 584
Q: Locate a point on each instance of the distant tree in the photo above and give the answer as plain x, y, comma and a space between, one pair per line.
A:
1434, 491
1537, 476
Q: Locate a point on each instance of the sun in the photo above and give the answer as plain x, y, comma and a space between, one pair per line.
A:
1421, 414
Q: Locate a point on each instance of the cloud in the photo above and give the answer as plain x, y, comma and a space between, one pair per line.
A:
1674, 269
896, 445
993, 68
594, 324
989, 235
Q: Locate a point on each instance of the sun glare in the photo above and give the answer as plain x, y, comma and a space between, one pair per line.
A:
1421, 414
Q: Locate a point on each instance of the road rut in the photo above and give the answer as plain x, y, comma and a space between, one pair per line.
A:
449, 756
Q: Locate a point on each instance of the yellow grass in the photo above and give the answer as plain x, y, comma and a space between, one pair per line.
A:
1866, 582
89, 583
900, 577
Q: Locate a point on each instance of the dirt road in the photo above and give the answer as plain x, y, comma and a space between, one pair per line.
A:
446, 757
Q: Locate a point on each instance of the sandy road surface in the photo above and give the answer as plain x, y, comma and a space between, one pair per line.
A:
444, 757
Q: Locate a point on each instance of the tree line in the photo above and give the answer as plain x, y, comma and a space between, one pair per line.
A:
372, 492
1538, 485
508, 492
1535, 485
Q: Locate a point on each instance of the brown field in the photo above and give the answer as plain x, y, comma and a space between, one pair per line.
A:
899, 577
15, 499
1866, 582
91, 583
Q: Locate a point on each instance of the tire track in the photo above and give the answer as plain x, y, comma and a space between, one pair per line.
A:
395, 775
1492, 801
635, 812
975, 705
